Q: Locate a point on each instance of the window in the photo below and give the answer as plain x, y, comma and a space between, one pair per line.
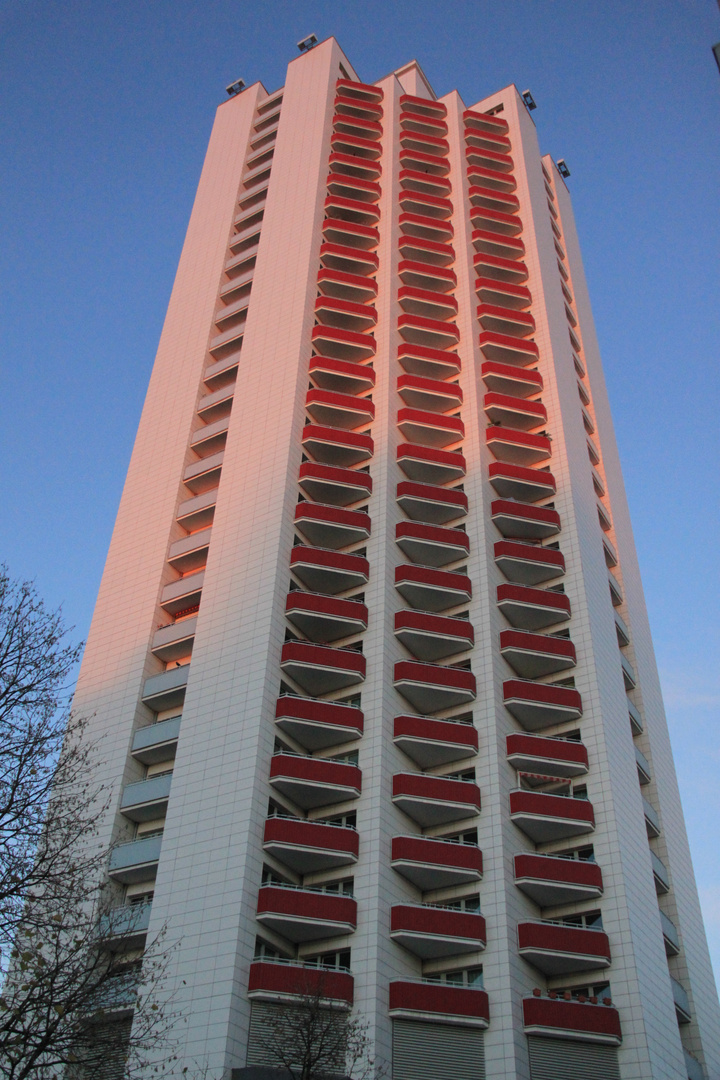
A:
339, 960
467, 977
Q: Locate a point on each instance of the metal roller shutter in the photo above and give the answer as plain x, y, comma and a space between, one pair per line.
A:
437, 1052
564, 1059
272, 1026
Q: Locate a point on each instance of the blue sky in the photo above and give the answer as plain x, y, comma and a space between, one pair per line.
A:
107, 108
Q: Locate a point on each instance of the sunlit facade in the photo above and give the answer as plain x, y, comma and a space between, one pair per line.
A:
370, 656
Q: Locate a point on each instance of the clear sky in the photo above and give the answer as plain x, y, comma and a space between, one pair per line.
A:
106, 113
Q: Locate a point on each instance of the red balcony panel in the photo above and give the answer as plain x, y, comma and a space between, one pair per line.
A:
430, 428
333, 446
528, 564
430, 332
532, 609
345, 344
558, 950
427, 303
422, 106
428, 465
425, 125
520, 520
509, 379
349, 88
434, 742
502, 294
432, 687
520, 483
372, 110
436, 864
363, 237
497, 268
435, 800
534, 655
423, 275
429, 251
348, 259
433, 637
429, 394
427, 144
425, 182
550, 880
320, 669
276, 981
333, 485
554, 757
328, 571
341, 376
344, 286
350, 165
485, 122
487, 140
492, 178
428, 502
305, 915
345, 314
313, 782
545, 817
354, 125
431, 545
504, 320
518, 447
352, 187
324, 618
430, 363
331, 526
506, 349
495, 222
430, 932
489, 159
426, 228
432, 590
439, 1002
492, 243
572, 1020
420, 202
355, 146
538, 705
339, 410
419, 161
318, 724
358, 211
491, 199
307, 846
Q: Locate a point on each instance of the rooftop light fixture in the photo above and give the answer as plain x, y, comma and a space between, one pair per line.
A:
235, 87
307, 43
529, 100
562, 168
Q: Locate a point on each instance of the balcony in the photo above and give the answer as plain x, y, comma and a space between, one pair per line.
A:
670, 935
363, 128
488, 140
518, 447
493, 243
341, 376
429, 395
307, 846
327, 571
197, 513
432, 590
503, 295
430, 503
357, 91
488, 198
430, 466
348, 234
432, 252
643, 767
425, 204
313, 782
660, 874
430, 428
349, 187
432, 333
423, 276
556, 949
156, 742
125, 928
184, 593
485, 122
174, 641
636, 720
439, 1003
136, 861
324, 618
682, 1002
334, 486
320, 669
540, 705
510, 379
426, 227
513, 412
489, 159
523, 520
425, 182
532, 609
652, 819
316, 725
345, 314
496, 222
211, 438
331, 526
426, 125
356, 167
491, 178
436, 864
520, 483
431, 932
543, 754
629, 676
427, 303
305, 914
275, 980
344, 344
428, 363
166, 690
146, 799
345, 411
433, 637
532, 656
354, 146
348, 260
431, 687
333, 446
431, 545
551, 880
422, 106
528, 564
577, 1020
203, 475
508, 350
435, 800
419, 161
544, 817
434, 742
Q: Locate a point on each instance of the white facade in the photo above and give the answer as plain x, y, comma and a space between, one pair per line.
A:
243, 324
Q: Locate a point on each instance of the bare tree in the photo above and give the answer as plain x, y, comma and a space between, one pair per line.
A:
68, 998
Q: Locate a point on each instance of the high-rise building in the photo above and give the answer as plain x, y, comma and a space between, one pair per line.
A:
370, 656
